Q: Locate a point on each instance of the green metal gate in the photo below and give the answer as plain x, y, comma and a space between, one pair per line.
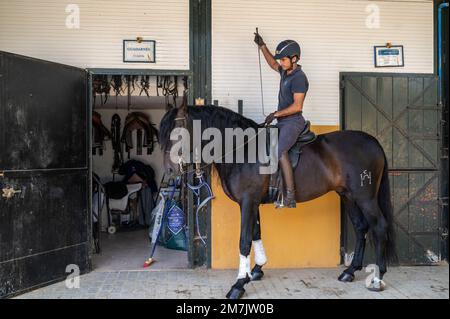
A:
402, 112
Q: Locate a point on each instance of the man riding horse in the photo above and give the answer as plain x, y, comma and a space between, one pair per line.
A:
290, 122
335, 161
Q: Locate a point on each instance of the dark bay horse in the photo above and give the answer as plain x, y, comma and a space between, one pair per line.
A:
351, 163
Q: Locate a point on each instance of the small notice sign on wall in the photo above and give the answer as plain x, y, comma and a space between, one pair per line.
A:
142, 51
389, 56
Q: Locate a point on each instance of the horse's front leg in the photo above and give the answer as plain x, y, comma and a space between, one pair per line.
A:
248, 218
258, 248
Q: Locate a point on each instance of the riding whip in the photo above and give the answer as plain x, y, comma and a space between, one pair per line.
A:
260, 77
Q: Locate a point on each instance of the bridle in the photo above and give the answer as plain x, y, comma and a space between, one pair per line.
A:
198, 167
202, 183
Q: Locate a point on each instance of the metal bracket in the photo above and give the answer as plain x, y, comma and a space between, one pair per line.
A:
443, 201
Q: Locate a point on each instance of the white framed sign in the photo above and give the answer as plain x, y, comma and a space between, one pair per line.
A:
391, 56
139, 51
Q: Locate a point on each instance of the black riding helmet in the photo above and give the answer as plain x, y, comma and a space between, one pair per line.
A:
287, 48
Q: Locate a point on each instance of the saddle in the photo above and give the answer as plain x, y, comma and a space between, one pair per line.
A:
136, 171
276, 188
140, 122
99, 133
305, 137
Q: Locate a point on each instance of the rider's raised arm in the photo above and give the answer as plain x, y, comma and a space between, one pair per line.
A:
269, 58
267, 55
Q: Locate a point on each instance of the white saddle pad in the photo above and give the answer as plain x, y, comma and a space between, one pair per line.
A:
121, 204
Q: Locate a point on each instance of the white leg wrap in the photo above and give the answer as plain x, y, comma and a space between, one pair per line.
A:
244, 267
378, 281
260, 254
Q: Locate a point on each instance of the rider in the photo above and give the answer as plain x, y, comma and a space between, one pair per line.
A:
293, 87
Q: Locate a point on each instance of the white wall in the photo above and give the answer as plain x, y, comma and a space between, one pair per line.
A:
37, 28
333, 36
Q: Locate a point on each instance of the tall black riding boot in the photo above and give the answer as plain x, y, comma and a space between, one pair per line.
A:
288, 175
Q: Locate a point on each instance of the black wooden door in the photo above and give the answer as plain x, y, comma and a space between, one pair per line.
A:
43, 172
402, 112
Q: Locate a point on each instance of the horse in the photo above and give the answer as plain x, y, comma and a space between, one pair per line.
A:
337, 161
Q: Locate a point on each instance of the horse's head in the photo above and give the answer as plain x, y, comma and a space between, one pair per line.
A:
181, 123
175, 118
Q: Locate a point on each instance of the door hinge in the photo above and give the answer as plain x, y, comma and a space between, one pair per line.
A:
444, 233
342, 84
8, 192
443, 201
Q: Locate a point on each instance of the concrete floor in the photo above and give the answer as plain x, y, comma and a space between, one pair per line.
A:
426, 282
128, 250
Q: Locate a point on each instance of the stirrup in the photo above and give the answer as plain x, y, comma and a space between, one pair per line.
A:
279, 203
282, 204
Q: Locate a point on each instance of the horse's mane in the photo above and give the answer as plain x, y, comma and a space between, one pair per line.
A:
210, 115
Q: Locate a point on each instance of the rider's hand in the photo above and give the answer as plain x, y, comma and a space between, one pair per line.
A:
258, 40
269, 118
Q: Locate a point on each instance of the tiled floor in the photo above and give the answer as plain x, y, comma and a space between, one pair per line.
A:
402, 282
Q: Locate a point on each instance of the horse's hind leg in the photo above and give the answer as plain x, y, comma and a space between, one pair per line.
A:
258, 248
379, 228
248, 219
361, 227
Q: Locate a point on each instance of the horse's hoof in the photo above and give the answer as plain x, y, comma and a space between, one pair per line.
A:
257, 275
344, 277
235, 293
377, 286
375, 289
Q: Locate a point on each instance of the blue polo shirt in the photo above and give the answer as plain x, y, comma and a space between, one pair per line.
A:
296, 82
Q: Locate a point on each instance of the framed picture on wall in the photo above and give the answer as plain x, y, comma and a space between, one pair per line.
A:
142, 51
389, 56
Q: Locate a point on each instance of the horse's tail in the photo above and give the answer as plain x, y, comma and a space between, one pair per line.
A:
384, 201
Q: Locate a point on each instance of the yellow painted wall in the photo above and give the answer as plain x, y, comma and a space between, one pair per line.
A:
307, 236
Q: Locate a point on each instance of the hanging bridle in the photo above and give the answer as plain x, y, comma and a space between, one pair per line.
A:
180, 159
196, 189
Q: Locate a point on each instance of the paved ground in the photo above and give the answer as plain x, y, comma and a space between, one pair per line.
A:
402, 282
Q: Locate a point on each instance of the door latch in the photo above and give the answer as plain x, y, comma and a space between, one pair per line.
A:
9, 192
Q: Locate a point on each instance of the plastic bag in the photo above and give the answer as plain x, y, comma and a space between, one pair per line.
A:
173, 235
